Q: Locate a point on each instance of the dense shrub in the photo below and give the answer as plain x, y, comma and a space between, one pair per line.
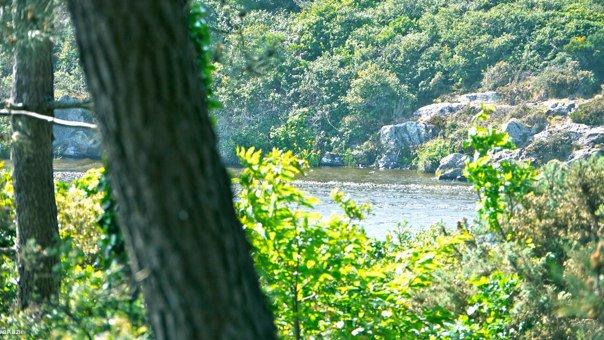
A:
591, 113
362, 155
97, 297
564, 80
429, 154
560, 229
324, 277
498, 75
560, 79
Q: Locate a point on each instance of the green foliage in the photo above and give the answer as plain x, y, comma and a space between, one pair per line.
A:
7, 239
324, 277
489, 313
591, 113
200, 36
97, 297
558, 237
429, 154
112, 244
374, 98
500, 185
7, 209
357, 65
107, 237
565, 80
294, 135
300, 259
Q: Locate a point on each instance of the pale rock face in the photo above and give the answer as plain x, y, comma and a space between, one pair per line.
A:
518, 131
539, 143
451, 167
567, 141
560, 107
426, 113
396, 140
483, 97
74, 142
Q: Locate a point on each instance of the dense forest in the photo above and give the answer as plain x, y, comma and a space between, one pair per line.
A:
160, 240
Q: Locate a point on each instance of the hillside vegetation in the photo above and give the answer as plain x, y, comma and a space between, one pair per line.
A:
157, 246
326, 75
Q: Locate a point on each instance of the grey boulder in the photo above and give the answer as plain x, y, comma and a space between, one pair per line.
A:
451, 167
440, 110
518, 131
560, 107
564, 142
73, 142
331, 159
398, 140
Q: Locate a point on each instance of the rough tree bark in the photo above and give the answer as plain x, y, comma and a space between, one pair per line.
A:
32, 154
183, 238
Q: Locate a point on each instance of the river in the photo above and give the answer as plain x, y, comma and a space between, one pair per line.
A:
395, 195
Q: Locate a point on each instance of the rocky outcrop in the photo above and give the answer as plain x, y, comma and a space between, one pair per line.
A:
451, 167
73, 142
560, 107
331, 159
565, 141
482, 97
442, 110
541, 131
397, 140
518, 131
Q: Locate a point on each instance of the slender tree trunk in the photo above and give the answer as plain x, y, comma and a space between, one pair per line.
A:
32, 155
183, 238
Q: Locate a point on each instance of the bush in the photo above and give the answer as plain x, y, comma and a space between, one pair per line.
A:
362, 155
590, 113
97, 296
498, 75
307, 265
561, 228
296, 136
325, 277
429, 154
565, 80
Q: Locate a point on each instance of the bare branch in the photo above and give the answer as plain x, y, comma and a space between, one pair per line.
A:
58, 121
7, 104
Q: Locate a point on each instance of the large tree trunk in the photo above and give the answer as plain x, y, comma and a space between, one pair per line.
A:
184, 240
32, 155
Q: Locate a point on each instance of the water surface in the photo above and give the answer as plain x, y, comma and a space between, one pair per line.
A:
395, 195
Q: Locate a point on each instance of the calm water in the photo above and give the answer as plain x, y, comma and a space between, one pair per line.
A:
396, 195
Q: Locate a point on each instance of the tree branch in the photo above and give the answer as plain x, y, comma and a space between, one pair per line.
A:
57, 121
